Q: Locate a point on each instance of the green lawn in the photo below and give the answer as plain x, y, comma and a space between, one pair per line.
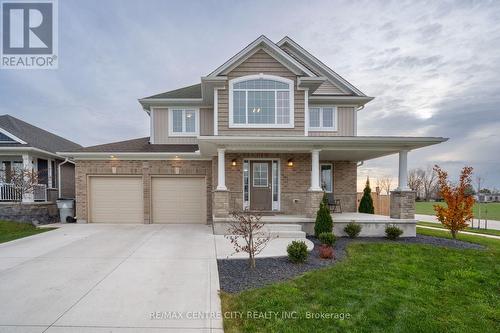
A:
492, 208
384, 287
477, 231
14, 230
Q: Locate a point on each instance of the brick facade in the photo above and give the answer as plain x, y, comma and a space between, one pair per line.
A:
146, 169
296, 199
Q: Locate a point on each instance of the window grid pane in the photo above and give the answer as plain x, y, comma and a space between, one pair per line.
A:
261, 107
190, 121
239, 105
261, 84
275, 181
246, 182
314, 117
283, 107
327, 117
177, 121
260, 174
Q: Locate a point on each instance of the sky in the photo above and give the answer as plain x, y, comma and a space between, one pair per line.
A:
432, 66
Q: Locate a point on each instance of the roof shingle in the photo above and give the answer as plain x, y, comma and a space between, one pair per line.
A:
140, 145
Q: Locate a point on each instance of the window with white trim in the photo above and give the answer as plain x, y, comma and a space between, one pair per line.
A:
326, 177
323, 118
261, 101
183, 122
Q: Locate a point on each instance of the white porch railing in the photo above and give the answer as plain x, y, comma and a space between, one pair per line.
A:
9, 192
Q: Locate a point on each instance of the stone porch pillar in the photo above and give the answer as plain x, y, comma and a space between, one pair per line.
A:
402, 204
27, 167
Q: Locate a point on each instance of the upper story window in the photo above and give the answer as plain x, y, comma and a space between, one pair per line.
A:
261, 101
183, 122
323, 118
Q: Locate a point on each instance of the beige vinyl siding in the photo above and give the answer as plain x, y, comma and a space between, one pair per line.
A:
179, 200
206, 121
260, 62
345, 126
115, 199
328, 88
160, 128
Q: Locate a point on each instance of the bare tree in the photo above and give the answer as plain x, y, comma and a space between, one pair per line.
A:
24, 181
385, 183
429, 182
415, 180
246, 227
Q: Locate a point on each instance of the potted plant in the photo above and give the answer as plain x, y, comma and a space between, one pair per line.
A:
327, 240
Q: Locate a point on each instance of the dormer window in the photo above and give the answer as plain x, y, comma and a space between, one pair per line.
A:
261, 101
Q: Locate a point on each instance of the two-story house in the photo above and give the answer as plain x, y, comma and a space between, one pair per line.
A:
268, 130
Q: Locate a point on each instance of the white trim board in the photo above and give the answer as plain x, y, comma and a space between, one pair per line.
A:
12, 136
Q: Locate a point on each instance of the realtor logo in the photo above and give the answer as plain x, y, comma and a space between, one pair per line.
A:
29, 34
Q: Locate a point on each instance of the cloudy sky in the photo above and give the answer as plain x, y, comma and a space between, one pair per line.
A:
433, 66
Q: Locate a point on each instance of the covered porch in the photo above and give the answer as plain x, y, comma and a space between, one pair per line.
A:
36, 173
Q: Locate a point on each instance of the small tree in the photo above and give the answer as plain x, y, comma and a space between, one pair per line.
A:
324, 222
23, 180
247, 227
366, 203
459, 203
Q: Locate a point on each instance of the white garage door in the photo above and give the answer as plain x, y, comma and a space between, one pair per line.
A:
179, 200
115, 200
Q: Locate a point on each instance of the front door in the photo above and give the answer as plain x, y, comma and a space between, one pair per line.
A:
261, 185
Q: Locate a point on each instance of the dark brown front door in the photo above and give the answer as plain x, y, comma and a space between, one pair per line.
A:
261, 185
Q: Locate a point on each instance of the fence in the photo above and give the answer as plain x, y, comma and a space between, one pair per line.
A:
381, 203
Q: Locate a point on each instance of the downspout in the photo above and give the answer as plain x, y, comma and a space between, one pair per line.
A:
59, 174
360, 163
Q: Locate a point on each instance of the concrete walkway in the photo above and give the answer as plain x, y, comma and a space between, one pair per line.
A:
492, 224
111, 278
461, 232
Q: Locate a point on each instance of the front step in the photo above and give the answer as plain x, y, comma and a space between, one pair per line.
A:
282, 227
277, 230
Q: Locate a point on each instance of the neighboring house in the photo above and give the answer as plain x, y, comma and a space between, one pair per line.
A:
487, 197
27, 147
266, 131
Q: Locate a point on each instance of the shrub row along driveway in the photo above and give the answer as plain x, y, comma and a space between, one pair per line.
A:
90, 277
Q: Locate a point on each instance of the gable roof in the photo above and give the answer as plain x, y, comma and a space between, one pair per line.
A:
28, 135
193, 91
301, 54
262, 43
139, 145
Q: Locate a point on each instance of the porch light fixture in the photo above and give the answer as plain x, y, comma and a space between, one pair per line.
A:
290, 162
233, 162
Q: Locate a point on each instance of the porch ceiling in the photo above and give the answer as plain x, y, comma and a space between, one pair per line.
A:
360, 148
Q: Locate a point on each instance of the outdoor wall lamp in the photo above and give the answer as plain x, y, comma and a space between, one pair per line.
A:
290, 162
233, 162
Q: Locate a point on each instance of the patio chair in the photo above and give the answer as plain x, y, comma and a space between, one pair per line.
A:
334, 205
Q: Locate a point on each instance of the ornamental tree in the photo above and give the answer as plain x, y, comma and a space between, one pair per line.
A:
366, 203
458, 200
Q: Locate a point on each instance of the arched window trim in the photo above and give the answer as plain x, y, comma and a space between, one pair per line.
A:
291, 90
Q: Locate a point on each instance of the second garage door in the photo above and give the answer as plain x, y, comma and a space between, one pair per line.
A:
179, 200
115, 199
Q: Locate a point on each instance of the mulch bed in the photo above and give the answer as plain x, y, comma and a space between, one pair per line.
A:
236, 276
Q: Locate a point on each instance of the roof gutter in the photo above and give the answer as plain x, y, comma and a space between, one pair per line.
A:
28, 149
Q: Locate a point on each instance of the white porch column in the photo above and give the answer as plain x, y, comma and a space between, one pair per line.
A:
403, 171
315, 170
27, 167
221, 170
49, 173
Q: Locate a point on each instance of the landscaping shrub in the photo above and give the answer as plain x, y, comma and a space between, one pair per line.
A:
297, 251
352, 229
324, 221
327, 238
366, 203
393, 232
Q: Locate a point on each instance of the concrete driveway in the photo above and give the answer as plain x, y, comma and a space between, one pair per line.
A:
111, 278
